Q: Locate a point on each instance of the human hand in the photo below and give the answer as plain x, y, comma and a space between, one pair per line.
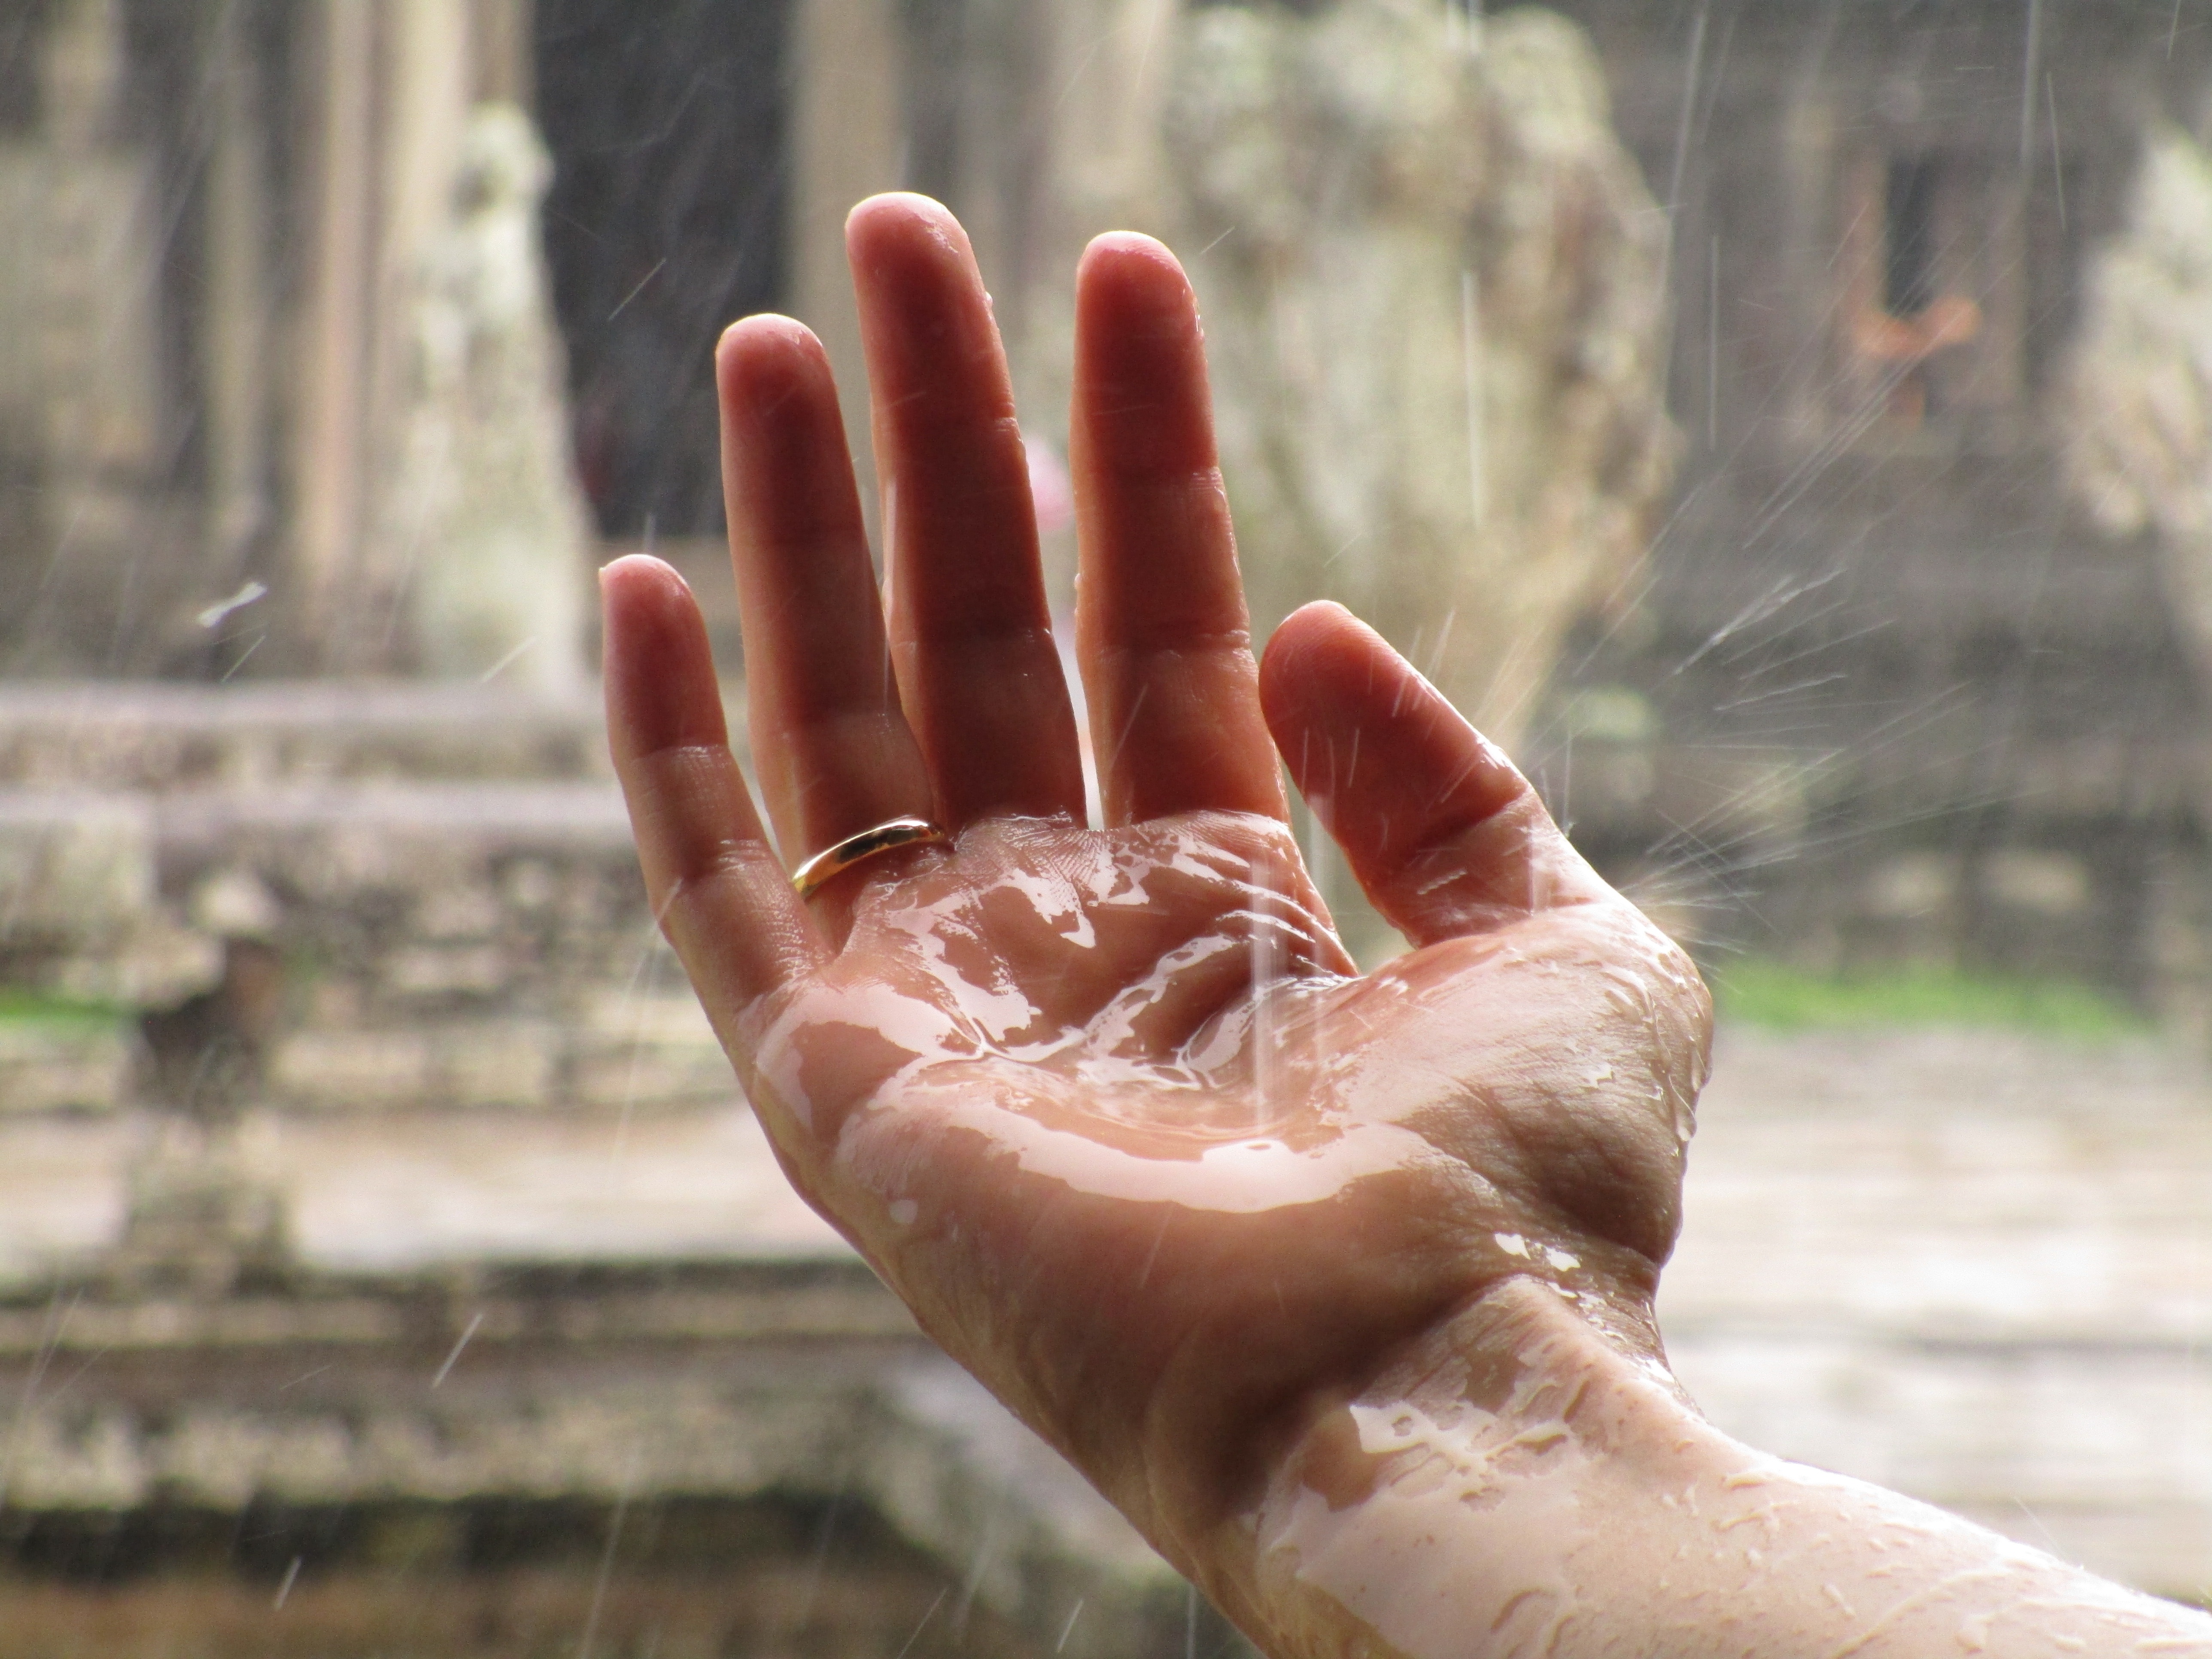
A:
1112, 1109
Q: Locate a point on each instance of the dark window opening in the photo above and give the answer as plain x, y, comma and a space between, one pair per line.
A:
665, 222
1908, 276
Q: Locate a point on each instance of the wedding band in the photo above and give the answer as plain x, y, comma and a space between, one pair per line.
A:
833, 862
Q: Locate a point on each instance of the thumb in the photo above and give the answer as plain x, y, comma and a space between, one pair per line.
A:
1443, 833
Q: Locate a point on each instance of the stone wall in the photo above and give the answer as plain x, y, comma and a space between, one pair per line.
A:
663, 1433
379, 898
1890, 696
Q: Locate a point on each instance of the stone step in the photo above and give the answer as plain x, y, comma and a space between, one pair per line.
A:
160, 738
381, 945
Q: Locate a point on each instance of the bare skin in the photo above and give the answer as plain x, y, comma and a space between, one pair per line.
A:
1338, 1286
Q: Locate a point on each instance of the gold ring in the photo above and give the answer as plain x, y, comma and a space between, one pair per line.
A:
833, 862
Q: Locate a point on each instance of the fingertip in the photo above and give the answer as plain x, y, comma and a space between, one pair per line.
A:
762, 329
1142, 407
1312, 649
1331, 685
765, 355
1129, 284
923, 305
887, 204
1314, 625
659, 669
1131, 253
638, 583
899, 221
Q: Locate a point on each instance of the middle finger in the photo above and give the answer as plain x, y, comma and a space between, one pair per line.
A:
971, 632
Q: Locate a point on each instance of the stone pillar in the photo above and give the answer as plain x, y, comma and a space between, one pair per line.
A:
97, 370
422, 111
1809, 256
501, 53
1110, 65
327, 458
392, 85
429, 81
235, 317
1083, 156
84, 70
847, 142
1036, 120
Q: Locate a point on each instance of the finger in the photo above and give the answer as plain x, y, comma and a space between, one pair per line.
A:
1162, 631
1442, 832
978, 672
714, 882
833, 750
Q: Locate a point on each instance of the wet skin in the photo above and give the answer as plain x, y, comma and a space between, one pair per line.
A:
1111, 1108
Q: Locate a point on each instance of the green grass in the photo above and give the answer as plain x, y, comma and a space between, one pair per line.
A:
47, 1011
1783, 997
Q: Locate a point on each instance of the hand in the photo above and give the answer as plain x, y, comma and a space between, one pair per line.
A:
1111, 1108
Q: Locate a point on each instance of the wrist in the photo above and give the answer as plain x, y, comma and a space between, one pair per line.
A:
1528, 1478
1457, 1490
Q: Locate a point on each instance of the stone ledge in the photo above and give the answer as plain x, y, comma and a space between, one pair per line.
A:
605, 1386
146, 736
583, 1307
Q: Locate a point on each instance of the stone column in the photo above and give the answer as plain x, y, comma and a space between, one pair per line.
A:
326, 462
848, 141
97, 363
427, 81
502, 51
394, 84
1808, 169
83, 80
235, 309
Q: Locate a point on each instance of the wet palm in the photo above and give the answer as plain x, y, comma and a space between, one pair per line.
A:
1120, 1092
1111, 1108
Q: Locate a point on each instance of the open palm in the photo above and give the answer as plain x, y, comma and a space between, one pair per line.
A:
1112, 1109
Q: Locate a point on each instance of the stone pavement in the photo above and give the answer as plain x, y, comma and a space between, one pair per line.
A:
1974, 1266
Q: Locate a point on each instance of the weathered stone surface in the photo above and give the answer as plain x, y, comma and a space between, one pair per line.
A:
92, 736
79, 911
366, 1069
2135, 414
606, 1387
483, 531
318, 863
202, 1212
696, 1581
1969, 1265
1433, 288
59, 1068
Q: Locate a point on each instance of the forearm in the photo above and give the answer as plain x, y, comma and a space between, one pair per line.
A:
1520, 1485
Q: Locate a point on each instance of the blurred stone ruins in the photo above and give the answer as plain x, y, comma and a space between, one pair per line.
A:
2134, 405
485, 519
1779, 427
1435, 309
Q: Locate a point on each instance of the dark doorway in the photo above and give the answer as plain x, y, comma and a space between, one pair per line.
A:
665, 221
1910, 276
